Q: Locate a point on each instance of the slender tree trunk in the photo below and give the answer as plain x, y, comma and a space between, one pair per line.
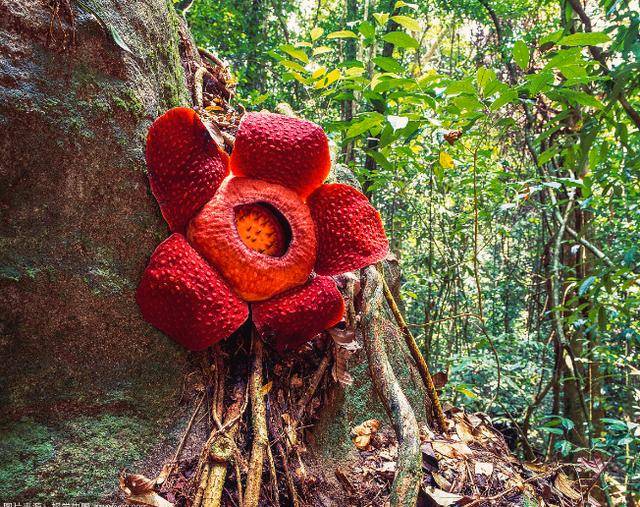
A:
380, 107
347, 106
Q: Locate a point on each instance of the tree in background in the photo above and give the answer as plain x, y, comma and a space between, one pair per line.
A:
501, 140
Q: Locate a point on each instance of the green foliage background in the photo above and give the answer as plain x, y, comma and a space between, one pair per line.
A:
498, 139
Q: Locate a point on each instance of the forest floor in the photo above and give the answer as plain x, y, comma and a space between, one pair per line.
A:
470, 463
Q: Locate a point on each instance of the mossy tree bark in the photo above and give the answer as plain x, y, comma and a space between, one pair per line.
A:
88, 388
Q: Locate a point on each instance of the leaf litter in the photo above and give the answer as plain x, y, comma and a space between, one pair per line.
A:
469, 465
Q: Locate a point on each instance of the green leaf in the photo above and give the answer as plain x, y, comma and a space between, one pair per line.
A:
388, 64
381, 160
555, 431
462, 86
573, 71
408, 22
493, 87
539, 82
521, 54
365, 124
467, 103
320, 71
614, 424
342, 34
115, 35
547, 155
571, 56
321, 50
381, 17
484, 77
568, 424
298, 77
401, 40
298, 54
551, 39
354, 72
316, 33
585, 39
367, 29
292, 65
579, 97
332, 77
445, 160
399, 4
467, 392
505, 98
117, 38
584, 286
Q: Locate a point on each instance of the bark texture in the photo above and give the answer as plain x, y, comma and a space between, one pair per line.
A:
86, 387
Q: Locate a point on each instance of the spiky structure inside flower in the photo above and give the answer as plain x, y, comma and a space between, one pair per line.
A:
255, 238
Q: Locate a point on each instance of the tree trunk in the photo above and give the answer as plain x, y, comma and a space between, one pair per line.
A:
88, 388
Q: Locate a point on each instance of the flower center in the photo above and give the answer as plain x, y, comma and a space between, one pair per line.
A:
263, 229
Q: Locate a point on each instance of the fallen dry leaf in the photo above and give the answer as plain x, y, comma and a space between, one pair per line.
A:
150, 499
388, 469
167, 470
442, 497
451, 449
441, 481
266, 388
362, 433
429, 460
565, 486
296, 381
440, 379
345, 346
138, 490
535, 467
474, 420
482, 468
135, 484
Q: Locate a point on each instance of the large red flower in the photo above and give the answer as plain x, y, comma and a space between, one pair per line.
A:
267, 237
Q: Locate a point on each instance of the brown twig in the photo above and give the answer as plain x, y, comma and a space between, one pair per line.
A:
259, 425
313, 385
274, 477
211, 56
168, 469
476, 277
423, 368
198, 79
219, 448
293, 494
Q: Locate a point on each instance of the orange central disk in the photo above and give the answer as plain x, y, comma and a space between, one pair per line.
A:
260, 229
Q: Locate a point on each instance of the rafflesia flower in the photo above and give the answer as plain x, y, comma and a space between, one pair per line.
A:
264, 239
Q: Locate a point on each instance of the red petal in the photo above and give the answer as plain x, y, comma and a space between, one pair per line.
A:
253, 275
349, 230
296, 316
185, 165
185, 298
283, 150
